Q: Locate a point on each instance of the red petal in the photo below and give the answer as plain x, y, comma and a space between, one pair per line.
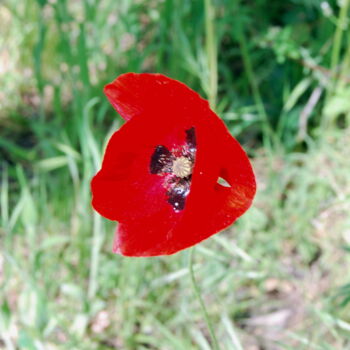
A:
134, 94
124, 188
126, 191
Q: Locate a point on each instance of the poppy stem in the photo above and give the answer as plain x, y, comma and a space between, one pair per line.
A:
211, 50
268, 135
197, 292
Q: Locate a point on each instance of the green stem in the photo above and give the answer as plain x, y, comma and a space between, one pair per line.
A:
211, 53
268, 133
201, 302
335, 56
338, 36
346, 65
96, 245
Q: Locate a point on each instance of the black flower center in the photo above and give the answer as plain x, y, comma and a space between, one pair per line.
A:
176, 167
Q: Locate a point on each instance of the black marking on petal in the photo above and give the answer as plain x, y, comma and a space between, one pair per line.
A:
178, 193
191, 139
161, 159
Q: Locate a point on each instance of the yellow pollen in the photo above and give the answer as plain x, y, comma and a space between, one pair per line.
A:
182, 167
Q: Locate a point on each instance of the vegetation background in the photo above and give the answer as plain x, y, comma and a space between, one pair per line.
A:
277, 73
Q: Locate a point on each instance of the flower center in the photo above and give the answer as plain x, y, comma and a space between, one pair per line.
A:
182, 167
175, 166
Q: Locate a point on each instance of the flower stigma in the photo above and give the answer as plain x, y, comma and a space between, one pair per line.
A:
182, 167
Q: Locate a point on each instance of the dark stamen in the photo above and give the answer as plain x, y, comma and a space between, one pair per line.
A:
177, 195
191, 139
160, 160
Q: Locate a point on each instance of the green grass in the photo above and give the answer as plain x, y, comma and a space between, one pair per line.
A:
278, 75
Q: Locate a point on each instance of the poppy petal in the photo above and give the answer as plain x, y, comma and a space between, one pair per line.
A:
160, 172
125, 188
133, 94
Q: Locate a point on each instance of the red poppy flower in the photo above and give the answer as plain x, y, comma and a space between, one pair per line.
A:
160, 172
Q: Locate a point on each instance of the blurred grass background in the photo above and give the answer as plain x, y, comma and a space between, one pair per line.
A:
277, 73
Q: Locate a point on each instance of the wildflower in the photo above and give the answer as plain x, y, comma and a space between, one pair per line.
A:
160, 173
